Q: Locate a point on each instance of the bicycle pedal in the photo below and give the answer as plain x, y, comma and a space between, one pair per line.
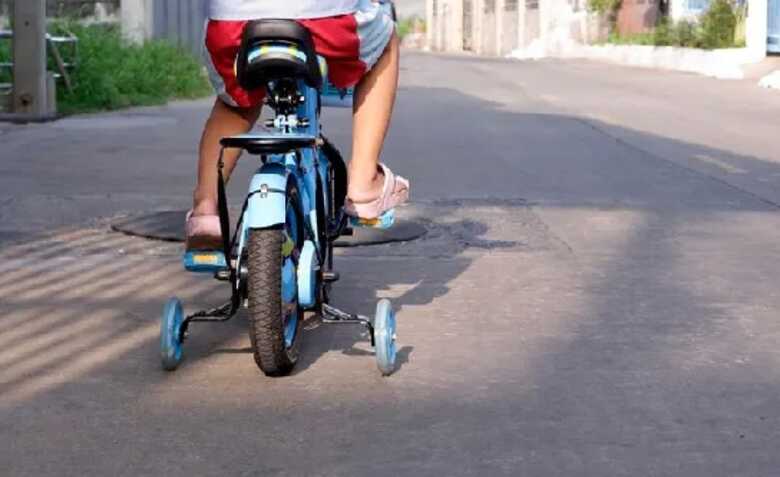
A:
204, 261
384, 221
330, 277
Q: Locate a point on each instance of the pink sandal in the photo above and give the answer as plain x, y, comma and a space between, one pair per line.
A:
380, 211
203, 232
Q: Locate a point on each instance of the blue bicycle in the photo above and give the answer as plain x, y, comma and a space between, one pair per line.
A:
278, 259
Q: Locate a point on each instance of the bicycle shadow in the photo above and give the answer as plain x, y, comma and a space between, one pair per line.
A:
410, 276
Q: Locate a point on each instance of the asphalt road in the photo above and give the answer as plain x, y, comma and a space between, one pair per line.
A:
596, 294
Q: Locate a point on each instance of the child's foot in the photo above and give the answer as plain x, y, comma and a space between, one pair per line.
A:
203, 232
368, 207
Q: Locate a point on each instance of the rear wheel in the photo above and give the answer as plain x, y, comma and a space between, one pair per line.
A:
275, 316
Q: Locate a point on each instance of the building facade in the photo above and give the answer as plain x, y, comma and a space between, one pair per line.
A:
498, 27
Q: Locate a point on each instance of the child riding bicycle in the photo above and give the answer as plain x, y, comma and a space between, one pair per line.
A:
357, 39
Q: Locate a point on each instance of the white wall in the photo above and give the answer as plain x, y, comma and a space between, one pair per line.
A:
137, 19
757, 26
445, 25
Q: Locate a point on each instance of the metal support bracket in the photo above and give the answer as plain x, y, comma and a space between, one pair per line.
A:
333, 316
221, 313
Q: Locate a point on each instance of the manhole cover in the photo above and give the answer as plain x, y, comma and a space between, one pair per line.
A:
169, 226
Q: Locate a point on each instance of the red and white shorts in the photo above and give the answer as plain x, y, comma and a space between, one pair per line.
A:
351, 45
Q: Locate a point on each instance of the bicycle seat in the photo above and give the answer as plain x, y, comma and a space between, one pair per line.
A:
276, 49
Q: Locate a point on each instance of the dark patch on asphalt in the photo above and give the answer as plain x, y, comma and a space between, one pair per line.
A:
168, 226
447, 229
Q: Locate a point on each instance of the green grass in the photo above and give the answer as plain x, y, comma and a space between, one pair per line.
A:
114, 74
5, 55
633, 39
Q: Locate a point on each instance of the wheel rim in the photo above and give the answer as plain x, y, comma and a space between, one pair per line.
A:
390, 340
170, 344
385, 335
290, 251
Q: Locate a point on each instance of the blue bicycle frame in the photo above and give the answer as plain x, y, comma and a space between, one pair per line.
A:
308, 169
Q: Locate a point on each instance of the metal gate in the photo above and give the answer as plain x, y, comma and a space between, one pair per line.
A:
181, 22
468, 25
773, 31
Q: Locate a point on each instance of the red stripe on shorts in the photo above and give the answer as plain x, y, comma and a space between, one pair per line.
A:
335, 38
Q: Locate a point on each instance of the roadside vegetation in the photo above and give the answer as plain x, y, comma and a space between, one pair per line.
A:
722, 25
112, 73
407, 25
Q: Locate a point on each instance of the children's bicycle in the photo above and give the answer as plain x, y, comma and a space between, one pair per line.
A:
278, 259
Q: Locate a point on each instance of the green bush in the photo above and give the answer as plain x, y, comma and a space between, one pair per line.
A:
113, 73
740, 33
405, 26
682, 33
5, 56
718, 25
685, 33
633, 39
716, 29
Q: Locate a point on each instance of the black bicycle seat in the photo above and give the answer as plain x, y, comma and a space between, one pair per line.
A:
256, 67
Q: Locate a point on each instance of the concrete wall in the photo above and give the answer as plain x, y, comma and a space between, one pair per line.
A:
445, 24
495, 27
531, 26
180, 21
488, 44
510, 22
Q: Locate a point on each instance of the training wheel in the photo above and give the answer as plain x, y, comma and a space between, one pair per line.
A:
170, 334
384, 337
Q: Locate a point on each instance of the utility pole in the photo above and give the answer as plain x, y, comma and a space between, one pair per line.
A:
137, 18
33, 88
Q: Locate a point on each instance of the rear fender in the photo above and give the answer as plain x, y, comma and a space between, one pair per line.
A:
267, 205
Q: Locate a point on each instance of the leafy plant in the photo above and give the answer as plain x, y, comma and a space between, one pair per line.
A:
5, 57
740, 30
112, 73
718, 25
716, 29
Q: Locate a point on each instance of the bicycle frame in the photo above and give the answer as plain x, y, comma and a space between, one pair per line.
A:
309, 169
300, 189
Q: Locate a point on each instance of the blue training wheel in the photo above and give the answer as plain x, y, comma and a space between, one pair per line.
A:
384, 337
170, 334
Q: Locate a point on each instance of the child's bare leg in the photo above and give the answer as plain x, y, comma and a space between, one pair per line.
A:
224, 121
373, 107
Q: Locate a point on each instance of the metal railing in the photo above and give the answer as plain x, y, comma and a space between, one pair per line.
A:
63, 51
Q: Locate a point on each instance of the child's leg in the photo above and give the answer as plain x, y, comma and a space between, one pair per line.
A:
373, 107
223, 121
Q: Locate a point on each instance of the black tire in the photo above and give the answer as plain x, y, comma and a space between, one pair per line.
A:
266, 309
